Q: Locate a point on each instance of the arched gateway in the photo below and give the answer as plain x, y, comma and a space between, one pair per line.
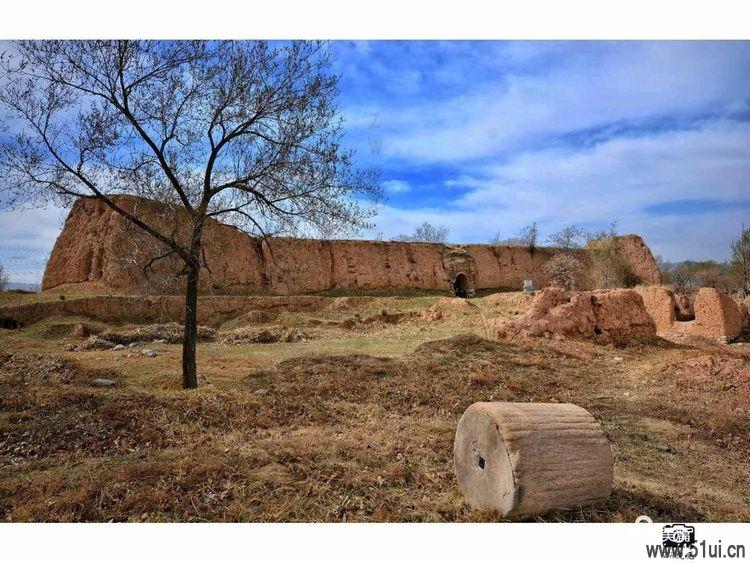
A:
461, 285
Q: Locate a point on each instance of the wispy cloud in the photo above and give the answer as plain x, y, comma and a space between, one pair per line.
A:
28, 238
395, 186
495, 135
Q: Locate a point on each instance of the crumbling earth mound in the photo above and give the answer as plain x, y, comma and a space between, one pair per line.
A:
385, 317
613, 314
170, 333
660, 303
716, 314
246, 335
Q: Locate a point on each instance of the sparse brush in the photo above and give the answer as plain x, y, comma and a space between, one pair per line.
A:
247, 335
172, 333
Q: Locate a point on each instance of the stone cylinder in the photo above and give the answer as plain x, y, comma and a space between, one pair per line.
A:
525, 459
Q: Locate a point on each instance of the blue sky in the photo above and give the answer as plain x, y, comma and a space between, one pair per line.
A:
489, 136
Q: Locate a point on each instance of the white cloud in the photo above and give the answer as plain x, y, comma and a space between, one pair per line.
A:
395, 186
28, 238
587, 87
616, 179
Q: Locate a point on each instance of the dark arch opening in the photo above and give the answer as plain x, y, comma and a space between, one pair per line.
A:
10, 324
461, 285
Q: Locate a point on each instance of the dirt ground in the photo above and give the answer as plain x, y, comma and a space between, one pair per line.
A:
347, 413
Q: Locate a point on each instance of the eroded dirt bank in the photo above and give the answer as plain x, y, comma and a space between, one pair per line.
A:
98, 246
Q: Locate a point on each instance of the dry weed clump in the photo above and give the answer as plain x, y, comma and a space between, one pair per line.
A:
172, 333
247, 335
35, 369
712, 395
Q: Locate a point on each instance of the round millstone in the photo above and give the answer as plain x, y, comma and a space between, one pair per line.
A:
525, 459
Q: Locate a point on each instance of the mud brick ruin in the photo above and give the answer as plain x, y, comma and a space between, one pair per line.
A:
710, 314
97, 246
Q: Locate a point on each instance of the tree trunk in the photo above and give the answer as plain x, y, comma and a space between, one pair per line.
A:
189, 369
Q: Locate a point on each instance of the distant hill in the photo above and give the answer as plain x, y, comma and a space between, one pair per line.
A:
25, 286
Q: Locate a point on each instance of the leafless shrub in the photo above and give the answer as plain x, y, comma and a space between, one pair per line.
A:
610, 267
563, 270
526, 237
426, 232
717, 276
681, 281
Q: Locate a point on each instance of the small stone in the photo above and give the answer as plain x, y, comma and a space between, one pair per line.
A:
261, 392
159, 341
132, 345
70, 347
626, 394
118, 347
664, 448
619, 359
148, 353
104, 383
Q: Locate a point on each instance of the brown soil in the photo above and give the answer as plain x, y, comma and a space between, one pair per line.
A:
357, 426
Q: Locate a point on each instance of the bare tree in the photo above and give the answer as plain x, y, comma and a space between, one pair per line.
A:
681, 281
245, 131
663, 265
717, 275
528, 236
496, 239
568, 237
740, 261
3, 278
426, 232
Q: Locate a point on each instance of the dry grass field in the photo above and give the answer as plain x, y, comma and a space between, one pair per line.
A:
352, 418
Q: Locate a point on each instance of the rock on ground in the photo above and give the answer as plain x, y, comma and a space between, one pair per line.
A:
104, 383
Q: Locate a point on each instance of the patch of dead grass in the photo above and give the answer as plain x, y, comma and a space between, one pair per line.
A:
358, 427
